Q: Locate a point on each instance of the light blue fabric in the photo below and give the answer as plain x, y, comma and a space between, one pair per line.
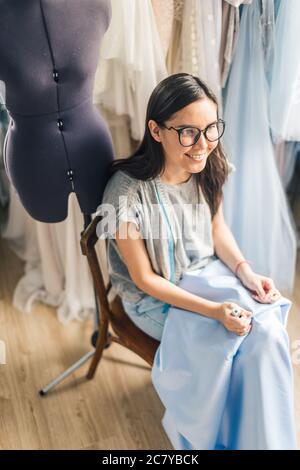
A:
255, 204
268, 33
284, 103
220, 390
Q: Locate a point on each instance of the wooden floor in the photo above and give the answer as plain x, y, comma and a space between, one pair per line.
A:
119, 409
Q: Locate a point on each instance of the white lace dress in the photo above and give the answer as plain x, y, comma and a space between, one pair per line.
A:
200, 41
164, 16
131, 62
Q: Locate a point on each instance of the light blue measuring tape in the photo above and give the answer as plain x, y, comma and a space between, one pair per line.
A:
171, 245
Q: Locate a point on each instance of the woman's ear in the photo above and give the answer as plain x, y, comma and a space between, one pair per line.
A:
154, 130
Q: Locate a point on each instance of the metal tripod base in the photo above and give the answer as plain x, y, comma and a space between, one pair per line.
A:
87, 356
66, 373
74, 367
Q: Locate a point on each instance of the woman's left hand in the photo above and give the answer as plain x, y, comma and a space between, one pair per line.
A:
262, 287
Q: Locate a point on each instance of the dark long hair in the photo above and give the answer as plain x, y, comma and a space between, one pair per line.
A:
169, 96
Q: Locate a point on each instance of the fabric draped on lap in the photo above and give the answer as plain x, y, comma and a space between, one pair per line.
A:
221, 390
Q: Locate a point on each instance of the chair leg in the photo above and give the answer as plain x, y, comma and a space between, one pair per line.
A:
101, 343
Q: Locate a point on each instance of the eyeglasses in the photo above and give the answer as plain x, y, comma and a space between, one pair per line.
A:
189, 136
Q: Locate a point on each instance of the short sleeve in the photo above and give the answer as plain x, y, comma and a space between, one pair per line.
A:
120, 203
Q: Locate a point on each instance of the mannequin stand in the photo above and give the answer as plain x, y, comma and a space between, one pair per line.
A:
94, 337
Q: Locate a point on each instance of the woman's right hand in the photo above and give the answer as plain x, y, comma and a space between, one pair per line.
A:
238, 325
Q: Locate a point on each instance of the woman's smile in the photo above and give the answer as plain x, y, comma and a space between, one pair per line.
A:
196, 157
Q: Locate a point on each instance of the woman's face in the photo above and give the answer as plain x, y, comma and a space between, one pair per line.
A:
180, 160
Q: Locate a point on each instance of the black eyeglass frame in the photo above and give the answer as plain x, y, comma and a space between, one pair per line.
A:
199, 131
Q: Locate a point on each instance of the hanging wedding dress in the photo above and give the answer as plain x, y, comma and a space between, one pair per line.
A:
174, 53
131, 62
201, 40
255, 204
283, 121
164, 15
285, 79
230, 33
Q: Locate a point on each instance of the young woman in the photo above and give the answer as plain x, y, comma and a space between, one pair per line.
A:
165, 220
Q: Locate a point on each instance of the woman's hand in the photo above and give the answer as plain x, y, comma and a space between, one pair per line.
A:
238, 325
262, 287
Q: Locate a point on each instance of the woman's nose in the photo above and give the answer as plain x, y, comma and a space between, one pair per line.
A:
201, 143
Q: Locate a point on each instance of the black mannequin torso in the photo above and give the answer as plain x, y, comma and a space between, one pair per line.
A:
57, 141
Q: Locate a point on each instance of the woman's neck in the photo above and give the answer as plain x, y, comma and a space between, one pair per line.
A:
169, 176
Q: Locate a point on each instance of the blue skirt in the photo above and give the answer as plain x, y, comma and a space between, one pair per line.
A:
220, 390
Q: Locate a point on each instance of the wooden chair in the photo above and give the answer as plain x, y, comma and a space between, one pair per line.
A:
112, 313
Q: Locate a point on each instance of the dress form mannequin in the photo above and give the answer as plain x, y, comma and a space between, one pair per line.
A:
57, 141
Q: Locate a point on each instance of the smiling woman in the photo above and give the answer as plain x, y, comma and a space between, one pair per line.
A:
192, 142
169, 232
181, 101
164, 172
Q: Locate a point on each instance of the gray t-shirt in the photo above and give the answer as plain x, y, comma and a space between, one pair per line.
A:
162, 212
